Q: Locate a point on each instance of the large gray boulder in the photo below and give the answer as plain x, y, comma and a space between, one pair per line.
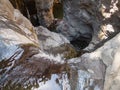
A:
102, 64
87, 73
54, 43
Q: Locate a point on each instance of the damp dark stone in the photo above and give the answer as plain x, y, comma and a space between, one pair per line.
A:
81, 42
58, 10
28, 9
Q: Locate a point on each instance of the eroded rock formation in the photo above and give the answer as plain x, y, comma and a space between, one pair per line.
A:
87, 20
54, 43
102, 64
23, 60
15, 30
39, 12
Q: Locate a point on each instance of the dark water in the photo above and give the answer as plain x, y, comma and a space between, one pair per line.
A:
58, 10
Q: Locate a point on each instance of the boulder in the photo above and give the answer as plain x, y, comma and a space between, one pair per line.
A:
103, 64
86, 73
54, 43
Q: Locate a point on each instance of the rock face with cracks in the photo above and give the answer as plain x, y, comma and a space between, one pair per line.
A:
15, 30
20, 51
103, 64
89, 21
54, 43
23, 50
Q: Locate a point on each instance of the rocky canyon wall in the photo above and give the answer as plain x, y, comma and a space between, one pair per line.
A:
39, 12
81, 22
87, 20
89, 26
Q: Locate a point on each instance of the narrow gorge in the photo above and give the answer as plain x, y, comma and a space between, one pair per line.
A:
59, 45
